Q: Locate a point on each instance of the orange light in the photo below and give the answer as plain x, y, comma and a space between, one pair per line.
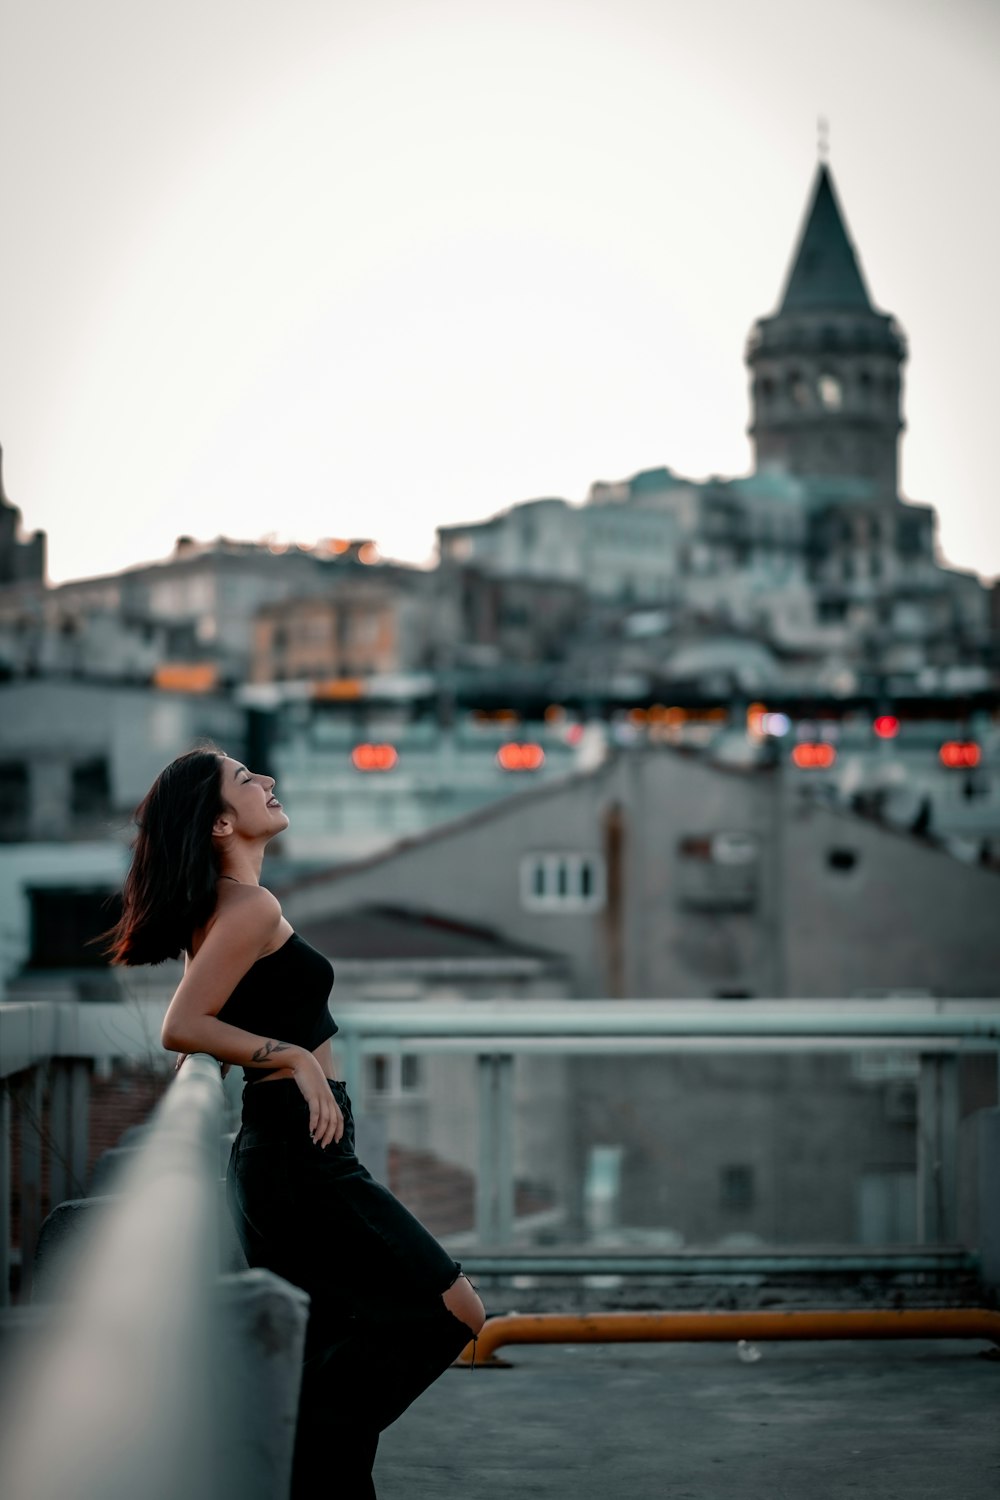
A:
368, 553
814, 755
518, 757
959, 754
374, 757
886, 726
337, 687
755, 718
186, 677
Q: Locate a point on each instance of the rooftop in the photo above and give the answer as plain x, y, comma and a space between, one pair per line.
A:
806, 1421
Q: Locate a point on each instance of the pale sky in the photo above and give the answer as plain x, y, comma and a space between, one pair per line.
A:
362, 267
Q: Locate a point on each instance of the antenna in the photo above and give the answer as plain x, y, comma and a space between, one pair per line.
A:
823, 140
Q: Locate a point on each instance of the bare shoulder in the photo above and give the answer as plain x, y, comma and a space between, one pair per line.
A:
249, 899
247, 918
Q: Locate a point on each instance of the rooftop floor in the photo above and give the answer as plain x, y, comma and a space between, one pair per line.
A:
913, 1419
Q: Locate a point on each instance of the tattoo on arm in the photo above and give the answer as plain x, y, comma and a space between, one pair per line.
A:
267, 1049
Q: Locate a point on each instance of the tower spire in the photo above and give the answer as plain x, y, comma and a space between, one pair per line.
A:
825, 271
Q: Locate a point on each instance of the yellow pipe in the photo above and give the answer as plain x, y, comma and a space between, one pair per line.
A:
694, 1327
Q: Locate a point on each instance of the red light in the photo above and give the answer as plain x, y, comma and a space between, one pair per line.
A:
959, 755
886, 726
515, 757
813, 755
374, 757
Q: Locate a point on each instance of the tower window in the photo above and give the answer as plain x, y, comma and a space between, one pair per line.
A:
831, 392
797, 388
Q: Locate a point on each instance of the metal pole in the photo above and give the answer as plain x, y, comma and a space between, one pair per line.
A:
6, 1186
30, 1096
59, 1136
486, 1217
937, 1149
504, 1138
698, 1327
79, 1125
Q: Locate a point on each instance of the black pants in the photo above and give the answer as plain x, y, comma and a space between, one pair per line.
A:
378, 1332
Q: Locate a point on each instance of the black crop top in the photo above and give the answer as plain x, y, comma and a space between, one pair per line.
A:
284, 995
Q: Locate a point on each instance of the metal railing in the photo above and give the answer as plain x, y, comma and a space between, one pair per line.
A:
114, 1389
65, 1038
496, 1032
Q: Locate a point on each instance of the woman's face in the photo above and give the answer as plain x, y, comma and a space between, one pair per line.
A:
254, 810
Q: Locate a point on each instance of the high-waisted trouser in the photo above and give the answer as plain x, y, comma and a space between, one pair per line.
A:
378, 1331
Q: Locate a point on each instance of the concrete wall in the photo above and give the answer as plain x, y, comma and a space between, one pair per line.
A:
906, 916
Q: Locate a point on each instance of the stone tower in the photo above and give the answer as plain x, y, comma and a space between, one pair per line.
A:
825, 368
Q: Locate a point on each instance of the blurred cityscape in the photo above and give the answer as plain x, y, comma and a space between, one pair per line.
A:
723, 740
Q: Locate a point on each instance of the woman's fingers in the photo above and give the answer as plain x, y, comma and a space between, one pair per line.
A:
334, 1124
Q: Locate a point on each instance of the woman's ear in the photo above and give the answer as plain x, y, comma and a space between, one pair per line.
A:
222, 827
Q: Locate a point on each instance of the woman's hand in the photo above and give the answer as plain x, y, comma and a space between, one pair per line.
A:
326, 1122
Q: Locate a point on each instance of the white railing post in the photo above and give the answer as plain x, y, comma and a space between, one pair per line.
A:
937, 1149
495, 1181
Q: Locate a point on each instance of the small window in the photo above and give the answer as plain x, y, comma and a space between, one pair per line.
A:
91, 788
842, 860
736, 1187
395, 1075
410, 1072
15, 799
562, 882
65, 921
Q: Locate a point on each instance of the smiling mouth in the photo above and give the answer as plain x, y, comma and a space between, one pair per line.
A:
273, 802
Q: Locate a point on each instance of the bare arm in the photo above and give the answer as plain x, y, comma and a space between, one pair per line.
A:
243, 929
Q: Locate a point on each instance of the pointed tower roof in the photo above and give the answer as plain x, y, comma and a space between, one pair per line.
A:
825, 270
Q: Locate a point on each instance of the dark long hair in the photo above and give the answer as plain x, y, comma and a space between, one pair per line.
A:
169, 890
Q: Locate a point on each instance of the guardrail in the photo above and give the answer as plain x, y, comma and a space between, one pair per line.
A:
115, 1390
497, 1031
65, 1038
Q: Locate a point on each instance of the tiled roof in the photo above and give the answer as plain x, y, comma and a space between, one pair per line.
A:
381, 932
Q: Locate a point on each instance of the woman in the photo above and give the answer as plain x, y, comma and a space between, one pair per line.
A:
389, 1309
